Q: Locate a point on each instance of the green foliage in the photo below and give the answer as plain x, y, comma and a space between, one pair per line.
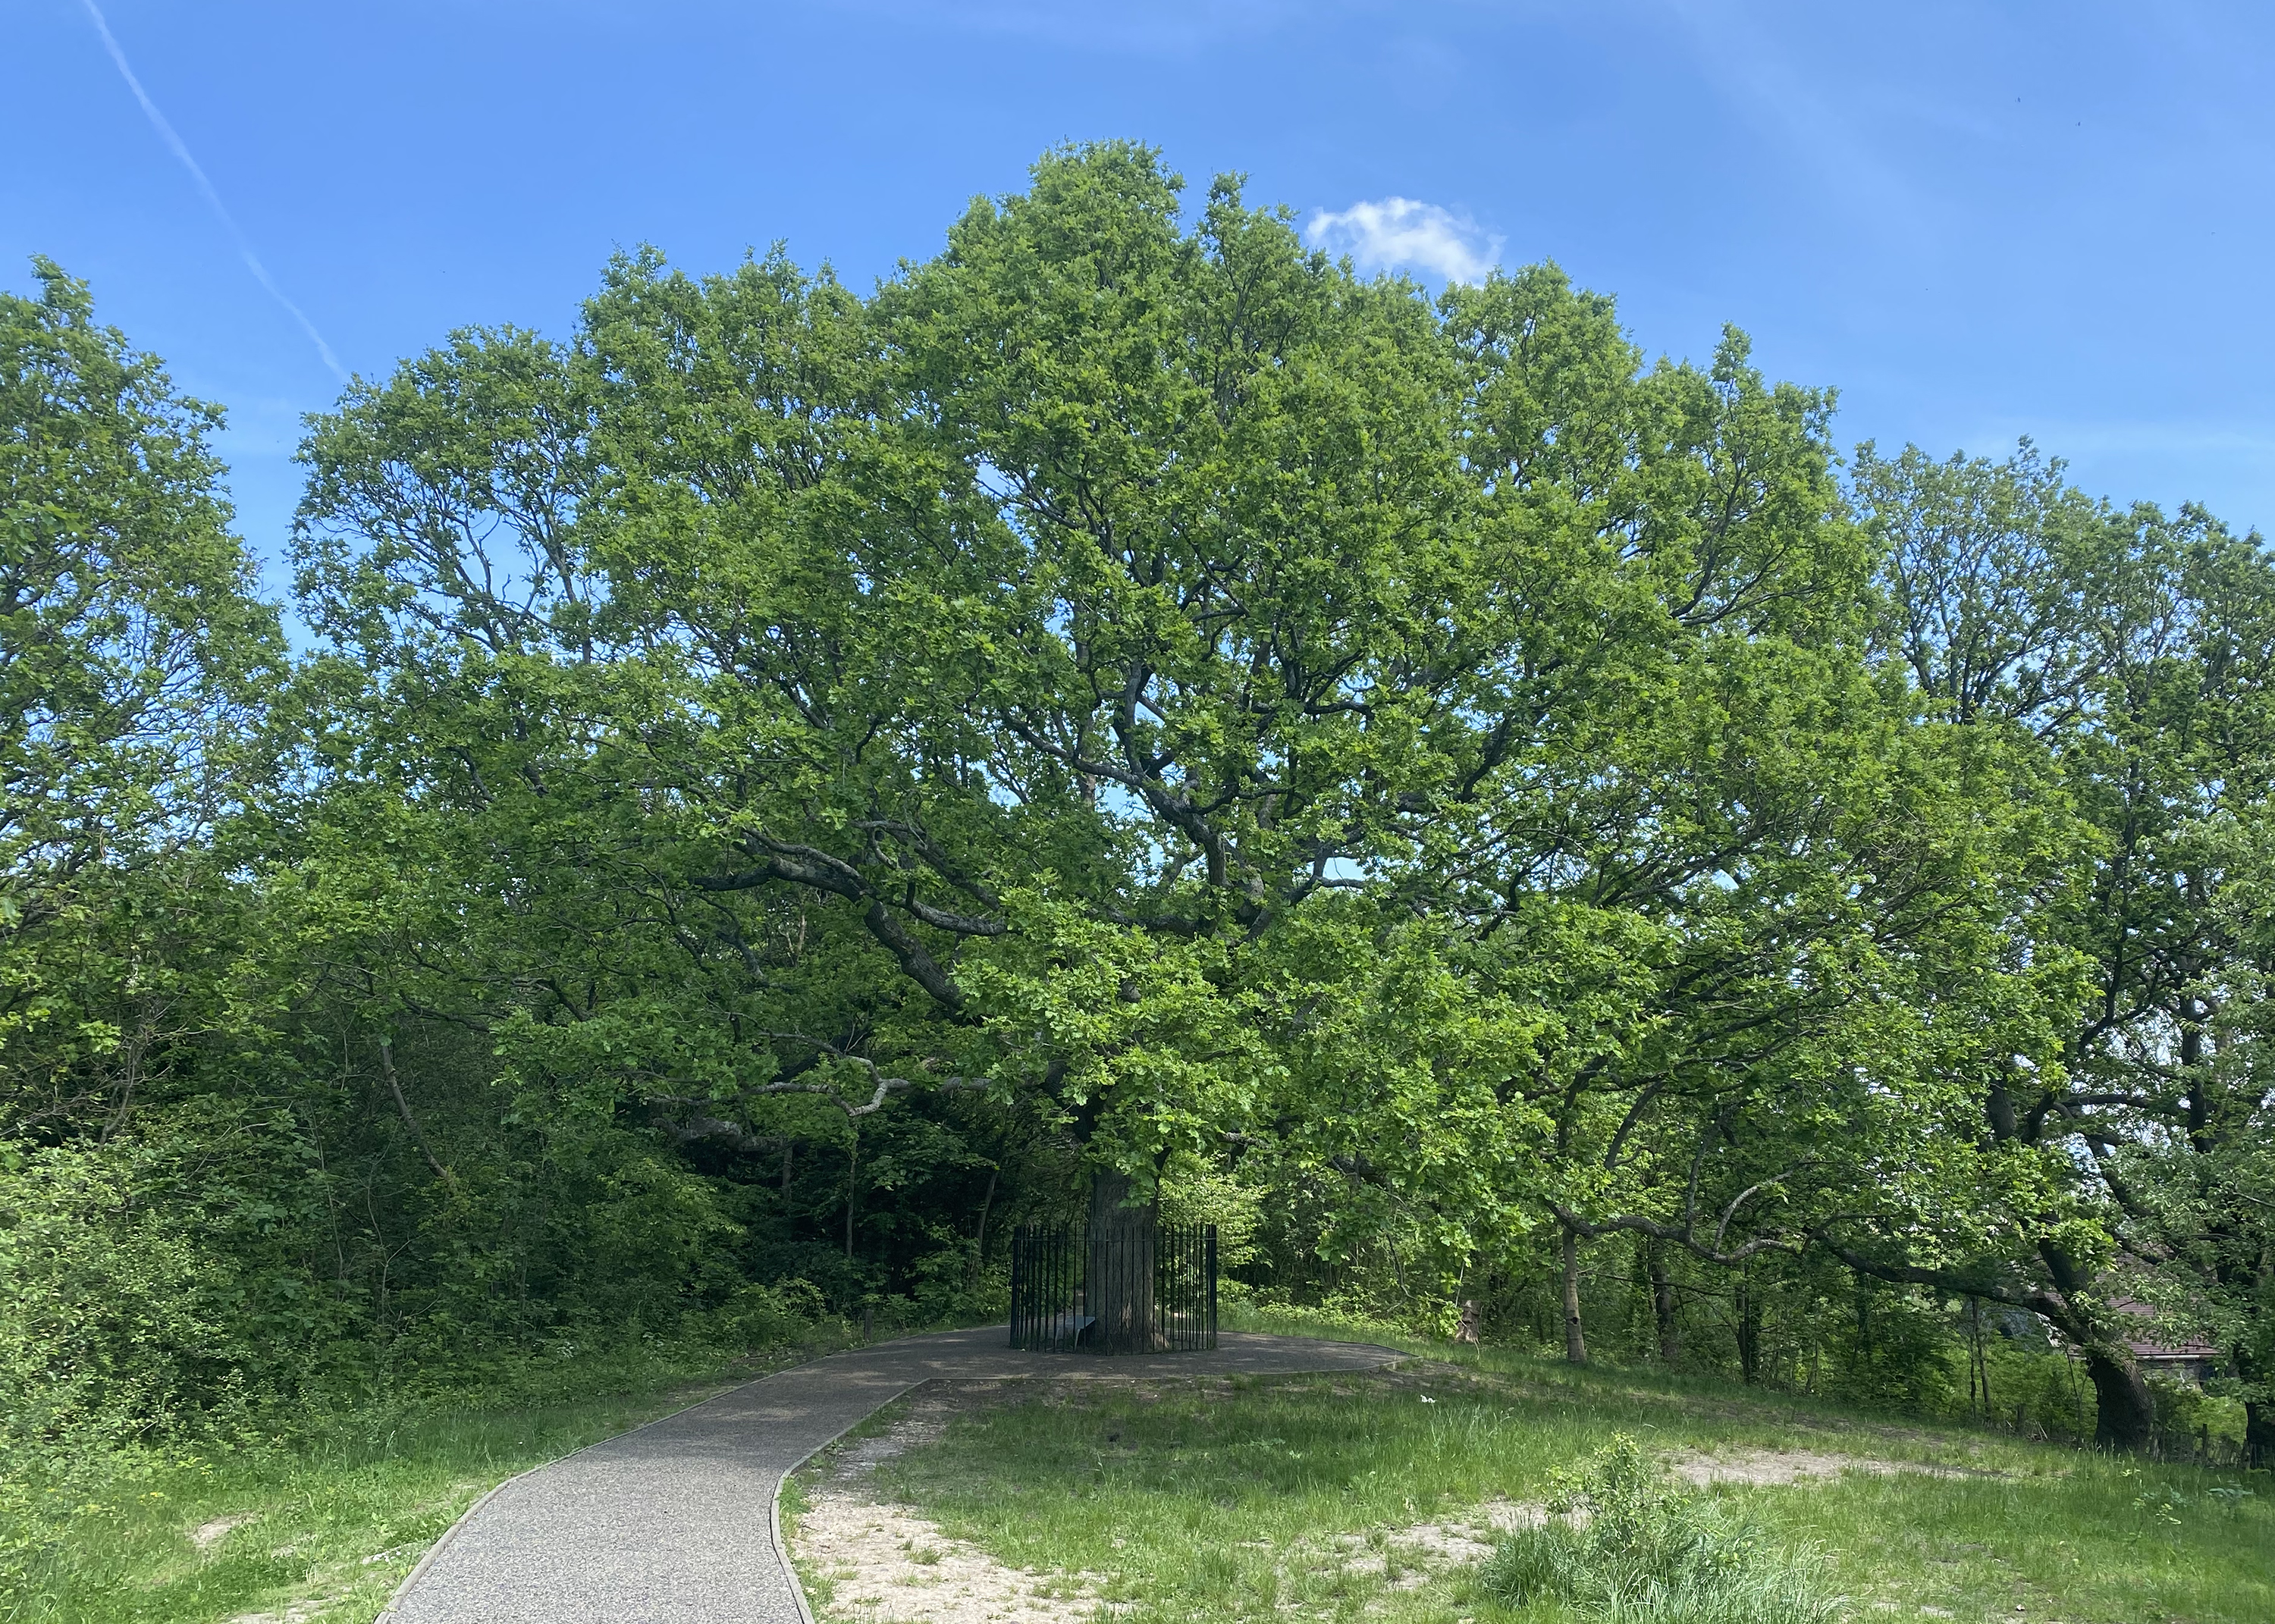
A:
787, 785
760, 1317
109, 1310
323, 1509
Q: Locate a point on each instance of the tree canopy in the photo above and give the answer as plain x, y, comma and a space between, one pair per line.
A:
782, 783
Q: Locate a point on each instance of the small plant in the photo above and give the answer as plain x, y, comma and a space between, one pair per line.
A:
1630, 1550
2163, 1502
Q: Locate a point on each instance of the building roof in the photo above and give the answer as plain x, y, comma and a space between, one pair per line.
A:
2150, 1350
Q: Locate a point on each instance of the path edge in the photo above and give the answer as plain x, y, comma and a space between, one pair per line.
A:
387, 1614
773, 1501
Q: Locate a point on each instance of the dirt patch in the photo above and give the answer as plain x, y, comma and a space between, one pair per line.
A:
206, 1536
1788, 1466
1407, 1558
886, 1565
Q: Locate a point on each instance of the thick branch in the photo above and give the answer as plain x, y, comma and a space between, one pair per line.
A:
2051, 1305
962, 924
916, 962
807, 866
1679, 1233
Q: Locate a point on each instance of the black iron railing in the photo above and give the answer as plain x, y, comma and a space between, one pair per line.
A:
1122, 1286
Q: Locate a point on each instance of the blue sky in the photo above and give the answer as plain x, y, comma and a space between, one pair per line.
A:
1977, 221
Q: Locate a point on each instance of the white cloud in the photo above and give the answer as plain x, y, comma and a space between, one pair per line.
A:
1398, 230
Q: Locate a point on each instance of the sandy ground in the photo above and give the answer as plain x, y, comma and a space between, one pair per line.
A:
207, 1535
1788, 1465
886, 1565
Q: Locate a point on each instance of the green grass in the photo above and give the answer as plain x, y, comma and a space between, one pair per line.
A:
1211, 1501
1195, 1501
329, 1518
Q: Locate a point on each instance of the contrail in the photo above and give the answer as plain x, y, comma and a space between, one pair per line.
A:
244, 245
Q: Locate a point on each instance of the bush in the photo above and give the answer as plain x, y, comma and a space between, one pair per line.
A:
769, 1316
951, 1289
1630, 1551
114, 1318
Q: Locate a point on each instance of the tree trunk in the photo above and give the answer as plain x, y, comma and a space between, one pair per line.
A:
2258, 1433
1576, 1343
1119, 1283
418, 1134
1662, 1307
979, 1241
1749, 1334
2124, 1415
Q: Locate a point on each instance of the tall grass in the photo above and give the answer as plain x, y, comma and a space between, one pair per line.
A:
1630, 1551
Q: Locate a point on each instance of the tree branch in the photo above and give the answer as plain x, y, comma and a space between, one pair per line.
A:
418, 1134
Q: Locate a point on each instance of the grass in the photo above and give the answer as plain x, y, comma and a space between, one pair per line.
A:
321, 1524
1650, 1549
1200, 1501
1205, 1500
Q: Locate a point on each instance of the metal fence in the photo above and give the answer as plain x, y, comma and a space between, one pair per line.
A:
1139, 1286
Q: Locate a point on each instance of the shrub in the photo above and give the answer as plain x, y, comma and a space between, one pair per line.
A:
770, 1316
952, 1288
1630, 1550
114, 1318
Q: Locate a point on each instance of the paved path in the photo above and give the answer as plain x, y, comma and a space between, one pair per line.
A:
674, 1522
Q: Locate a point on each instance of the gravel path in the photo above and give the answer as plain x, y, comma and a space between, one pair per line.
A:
674, 1522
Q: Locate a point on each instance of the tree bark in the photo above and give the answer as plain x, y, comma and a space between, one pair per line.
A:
1662, 1307
418, 1134
2258, 1433
1576, 1341
2124, 1414
1119, 1284
1749, 1333
980, 1240
852, 1189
